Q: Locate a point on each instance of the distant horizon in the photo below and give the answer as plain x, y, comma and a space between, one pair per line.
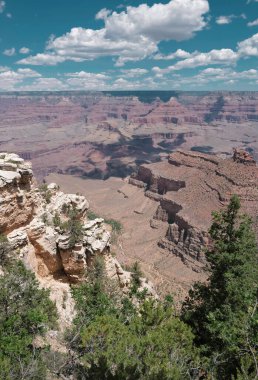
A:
124, 91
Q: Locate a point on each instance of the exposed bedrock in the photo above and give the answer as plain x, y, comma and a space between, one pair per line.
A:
51, 233
188, 187
157, 183
16, 203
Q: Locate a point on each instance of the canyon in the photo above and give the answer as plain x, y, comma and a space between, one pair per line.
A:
166, 211
158, 162
101, 135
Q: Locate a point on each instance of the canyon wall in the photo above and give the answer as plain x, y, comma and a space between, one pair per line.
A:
99, 135
188, 187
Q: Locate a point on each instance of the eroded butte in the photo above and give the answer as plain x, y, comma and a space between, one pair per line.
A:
166, 210
99, 135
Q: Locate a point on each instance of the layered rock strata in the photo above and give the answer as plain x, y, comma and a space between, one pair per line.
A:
188, 187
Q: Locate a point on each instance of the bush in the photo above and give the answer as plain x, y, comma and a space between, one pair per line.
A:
92, 215
57, 220
5, 250
115, 224
25, 311
73, 226
45, 192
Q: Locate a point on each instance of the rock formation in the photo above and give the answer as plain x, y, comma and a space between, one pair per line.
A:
39, 224
99, 135
188, 187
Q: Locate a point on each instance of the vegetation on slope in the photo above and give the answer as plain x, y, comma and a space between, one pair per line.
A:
132, 337
223, 313
25, 312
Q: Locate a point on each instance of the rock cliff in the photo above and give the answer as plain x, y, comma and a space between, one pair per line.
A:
51, 233
188, 187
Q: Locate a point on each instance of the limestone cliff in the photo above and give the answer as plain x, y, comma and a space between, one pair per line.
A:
36, 222
188, 187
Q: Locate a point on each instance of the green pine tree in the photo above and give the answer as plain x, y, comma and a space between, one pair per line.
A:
223, 312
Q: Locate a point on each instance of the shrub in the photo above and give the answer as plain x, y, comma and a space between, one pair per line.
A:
56, 220
25, 311
5, 250
45, 192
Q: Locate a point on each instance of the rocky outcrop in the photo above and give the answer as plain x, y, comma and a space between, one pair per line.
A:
243, 157
189, 187
16, 203
51, 233
43, 221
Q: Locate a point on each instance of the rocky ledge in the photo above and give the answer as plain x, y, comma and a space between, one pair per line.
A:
51, 232
188, 187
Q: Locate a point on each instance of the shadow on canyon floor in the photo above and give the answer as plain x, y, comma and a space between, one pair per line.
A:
126, 155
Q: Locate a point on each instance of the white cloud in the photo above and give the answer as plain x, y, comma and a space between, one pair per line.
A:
3, 68
24, 50
87, 75
2, 6
181, 54
9, 15
222, 20
133, 73
42, 59
249, 47
9, 52
253, 23
197, 59
45, 84
130, 35
86, 80
124, 84
227, 73
9, 78
225, 57
217, 77
177, 20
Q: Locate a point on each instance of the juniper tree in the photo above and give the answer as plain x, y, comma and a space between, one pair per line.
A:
223, 312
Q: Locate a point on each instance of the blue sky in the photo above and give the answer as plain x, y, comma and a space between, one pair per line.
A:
128, 44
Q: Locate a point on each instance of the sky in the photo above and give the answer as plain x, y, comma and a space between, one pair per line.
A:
128, 45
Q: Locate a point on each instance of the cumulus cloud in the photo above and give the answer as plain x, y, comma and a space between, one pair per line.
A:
131, 35
24, 50
10, 78
197, 59
2, 6
217, 76
181, 54
45, 84
223, 20
9, 52
3, 68
177, 20
249, 47
87, 75
42, 59
225, 57
87, 80
253, 23
133, 73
